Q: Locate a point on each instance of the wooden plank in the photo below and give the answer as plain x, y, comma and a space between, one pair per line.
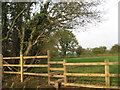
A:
25, 65
36, 74
31, 57
113, 75
13, 65
58, 83
90, 86
11, 57
9, 72
48, 55
85, 74
56, 62
87, 85
25, 73
94, 63
35, 65
26, 57
54, 73
107, 70
59, 80
57, 69
65, 71
1, 66
21, 67
60, 76
92, 74
51, 82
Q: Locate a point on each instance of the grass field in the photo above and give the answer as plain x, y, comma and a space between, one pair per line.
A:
91, 69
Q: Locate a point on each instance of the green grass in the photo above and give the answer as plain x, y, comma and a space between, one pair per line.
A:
91, 69
89, 59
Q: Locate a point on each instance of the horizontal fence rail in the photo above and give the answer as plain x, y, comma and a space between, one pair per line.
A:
25, 73
93, 63
56, 62
57, 69
25, 65
26, 57
92, 74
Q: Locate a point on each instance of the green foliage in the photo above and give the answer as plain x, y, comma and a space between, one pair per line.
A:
100, 50
115, 49
66, 42
79, 50
28, 35
10, 10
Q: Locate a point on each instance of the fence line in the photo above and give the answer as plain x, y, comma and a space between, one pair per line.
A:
21, 65
106, 63
107, 74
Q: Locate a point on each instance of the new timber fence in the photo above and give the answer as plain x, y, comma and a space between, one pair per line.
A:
107, 74
22, 65
65, 75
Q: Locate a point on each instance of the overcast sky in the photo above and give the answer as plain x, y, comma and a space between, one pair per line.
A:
105, 33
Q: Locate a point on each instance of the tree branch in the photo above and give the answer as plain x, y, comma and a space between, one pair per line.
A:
13, 23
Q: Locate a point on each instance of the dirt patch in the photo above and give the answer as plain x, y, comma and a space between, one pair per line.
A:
13, 81
32, 83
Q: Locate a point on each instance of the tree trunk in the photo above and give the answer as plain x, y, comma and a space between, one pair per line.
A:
22, 41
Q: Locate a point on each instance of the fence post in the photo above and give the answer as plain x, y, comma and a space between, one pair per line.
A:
65, 71
48, 54
21, 67
1, 70
107, 70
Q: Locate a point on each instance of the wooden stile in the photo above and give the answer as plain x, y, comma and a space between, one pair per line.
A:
107, 70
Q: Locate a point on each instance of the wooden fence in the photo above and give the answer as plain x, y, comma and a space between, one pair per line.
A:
106, 63
22, 65
107, 74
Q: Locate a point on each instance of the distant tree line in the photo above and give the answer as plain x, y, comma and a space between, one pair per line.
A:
115, 49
